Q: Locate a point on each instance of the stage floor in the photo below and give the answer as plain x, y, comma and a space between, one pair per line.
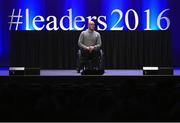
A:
107, 73
65, 95
58, 72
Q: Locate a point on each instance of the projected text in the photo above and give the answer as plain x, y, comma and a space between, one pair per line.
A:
70, 22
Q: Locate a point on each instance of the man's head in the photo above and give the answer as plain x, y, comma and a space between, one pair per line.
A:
91, 25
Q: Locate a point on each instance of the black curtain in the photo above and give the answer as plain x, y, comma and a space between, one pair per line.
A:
122, 49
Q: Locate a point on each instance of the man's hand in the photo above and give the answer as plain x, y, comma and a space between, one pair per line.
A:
90, 49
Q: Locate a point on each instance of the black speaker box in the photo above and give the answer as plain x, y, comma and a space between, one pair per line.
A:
32, 71
166, 71
23, 71
13, 71
160, 71
150, 72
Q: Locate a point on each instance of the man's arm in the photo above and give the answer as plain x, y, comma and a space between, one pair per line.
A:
80, 41
99, 43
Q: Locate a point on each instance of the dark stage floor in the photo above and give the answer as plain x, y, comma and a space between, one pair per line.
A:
64, 95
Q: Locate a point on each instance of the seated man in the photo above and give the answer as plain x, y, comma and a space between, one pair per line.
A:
90, 44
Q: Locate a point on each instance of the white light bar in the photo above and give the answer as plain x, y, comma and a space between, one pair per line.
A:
17, 68
150, 68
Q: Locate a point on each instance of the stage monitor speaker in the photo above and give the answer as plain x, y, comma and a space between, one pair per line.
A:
166, 71
16, 71
157, 71
32, 71
23, 71
92, 72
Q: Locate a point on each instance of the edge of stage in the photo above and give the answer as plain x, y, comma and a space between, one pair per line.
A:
63, 97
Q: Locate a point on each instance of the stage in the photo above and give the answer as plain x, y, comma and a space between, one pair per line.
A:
64, 95
135, 44
115, 72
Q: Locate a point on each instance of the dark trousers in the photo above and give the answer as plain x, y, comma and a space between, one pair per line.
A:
91, 59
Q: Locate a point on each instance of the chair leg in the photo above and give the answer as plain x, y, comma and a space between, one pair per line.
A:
78, 70
78, 67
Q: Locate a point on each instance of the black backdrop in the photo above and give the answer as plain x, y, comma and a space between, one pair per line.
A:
122, 49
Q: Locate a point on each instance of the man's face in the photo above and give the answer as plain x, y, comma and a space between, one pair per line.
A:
91, 25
